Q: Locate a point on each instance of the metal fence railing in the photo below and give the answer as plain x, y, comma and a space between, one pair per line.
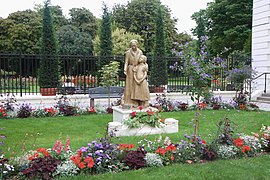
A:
19, 73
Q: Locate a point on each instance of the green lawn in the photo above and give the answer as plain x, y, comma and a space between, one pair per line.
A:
43, 132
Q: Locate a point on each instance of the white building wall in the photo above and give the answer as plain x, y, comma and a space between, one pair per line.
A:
261, 43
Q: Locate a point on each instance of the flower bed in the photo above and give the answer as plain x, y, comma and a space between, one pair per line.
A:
102, 155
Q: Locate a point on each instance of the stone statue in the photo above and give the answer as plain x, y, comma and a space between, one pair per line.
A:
141, 85
132, 57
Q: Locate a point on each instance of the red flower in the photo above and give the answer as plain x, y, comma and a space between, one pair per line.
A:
203, 141
79, 153
162, 120
161, 151
76, 159
242, 107
245, 149
238, 142
171, 147
81, 165
43, 151
172, 158
266, 136
140, 108
90, 162
33, 157
150, 112
133, 114
92, 110
126, 146
202, 105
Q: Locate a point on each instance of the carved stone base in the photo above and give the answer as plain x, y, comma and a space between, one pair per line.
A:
119, 129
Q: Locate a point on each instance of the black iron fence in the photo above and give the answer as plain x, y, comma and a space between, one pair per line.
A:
19, 73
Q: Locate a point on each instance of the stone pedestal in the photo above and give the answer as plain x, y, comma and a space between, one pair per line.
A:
119, 129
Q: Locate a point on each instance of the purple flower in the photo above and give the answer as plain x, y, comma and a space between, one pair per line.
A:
83, 149
218, 60
99, 146
180, 53
99, 159
99, 152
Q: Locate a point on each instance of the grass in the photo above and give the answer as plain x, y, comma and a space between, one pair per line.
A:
256, 168
83, 129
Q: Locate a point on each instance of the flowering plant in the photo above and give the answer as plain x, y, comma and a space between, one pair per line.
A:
199, 70
3, 113
99, 156
166, 153
65, 108
226, 151
149, 117
162, 103
191, 150
46, 112
24, 111
240, 143
153, 160
264, 138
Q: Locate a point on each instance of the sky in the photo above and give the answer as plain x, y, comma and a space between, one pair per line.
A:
181, 9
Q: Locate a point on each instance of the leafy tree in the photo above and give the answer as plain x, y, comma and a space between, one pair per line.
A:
121, 40
83, 19
74, 42
182, 41
139, 17
230, 24
20, 32
5, 43
159, 65
49, 64
57, 14
201, 29
109, 75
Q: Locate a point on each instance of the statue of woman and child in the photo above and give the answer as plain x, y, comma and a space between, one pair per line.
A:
136, 91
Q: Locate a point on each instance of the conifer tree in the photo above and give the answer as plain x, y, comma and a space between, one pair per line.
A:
49, 64
158, 74
105, 33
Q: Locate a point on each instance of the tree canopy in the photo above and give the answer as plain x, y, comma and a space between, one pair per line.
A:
139, 17
228, 24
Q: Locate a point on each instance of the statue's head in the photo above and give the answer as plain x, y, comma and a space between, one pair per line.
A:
133, 44
143, 59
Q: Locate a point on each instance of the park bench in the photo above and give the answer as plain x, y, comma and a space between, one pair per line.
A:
102, 92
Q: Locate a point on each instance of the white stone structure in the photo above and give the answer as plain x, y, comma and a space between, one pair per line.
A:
118, 128
261, 44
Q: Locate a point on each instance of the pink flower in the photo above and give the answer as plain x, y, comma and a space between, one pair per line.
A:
56, 145
67, 144
133, 114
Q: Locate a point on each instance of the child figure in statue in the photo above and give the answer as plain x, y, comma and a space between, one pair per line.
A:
141, 90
